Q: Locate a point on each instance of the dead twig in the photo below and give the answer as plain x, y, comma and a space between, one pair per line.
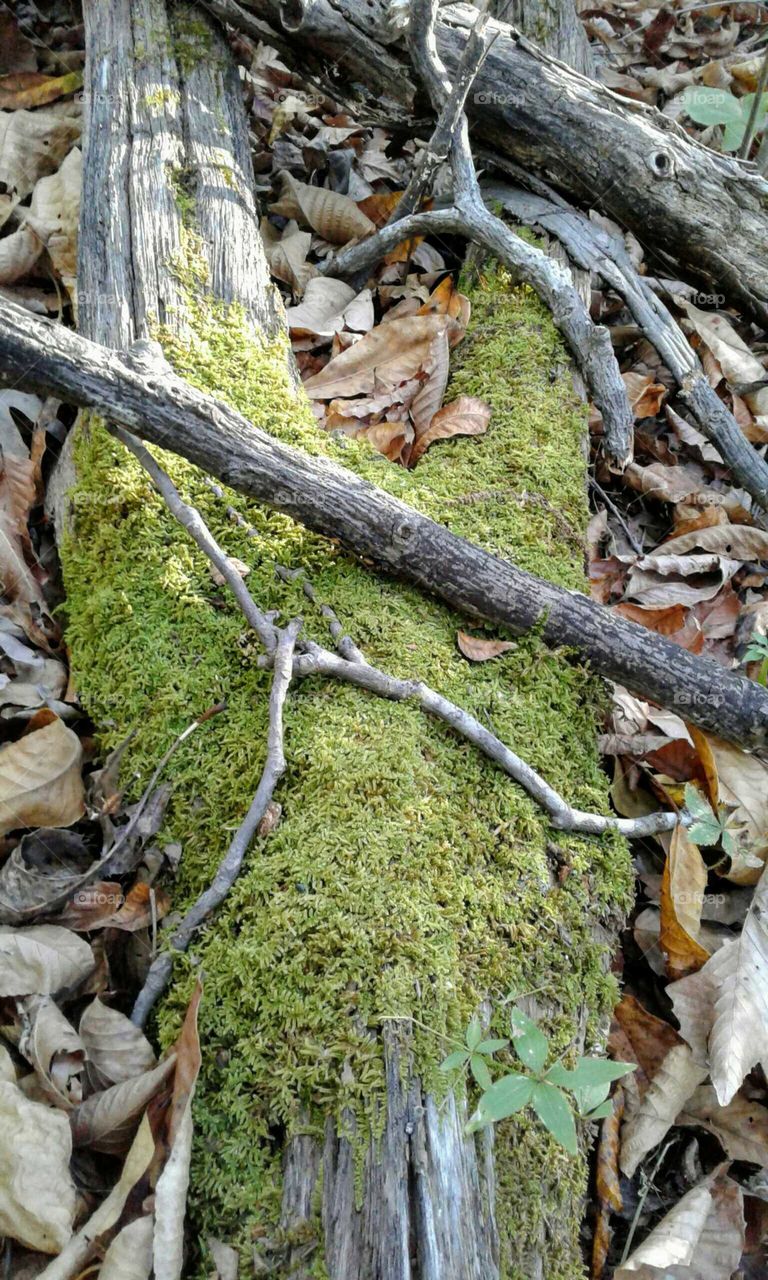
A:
231, 865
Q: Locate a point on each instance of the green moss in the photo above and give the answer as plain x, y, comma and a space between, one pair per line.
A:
162, 99
407, 876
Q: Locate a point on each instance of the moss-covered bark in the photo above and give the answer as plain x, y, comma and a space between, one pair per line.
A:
407, 876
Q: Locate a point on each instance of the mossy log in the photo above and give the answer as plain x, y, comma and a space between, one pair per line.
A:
408, 879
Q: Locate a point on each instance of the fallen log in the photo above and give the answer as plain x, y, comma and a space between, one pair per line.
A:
40, 355
689, 206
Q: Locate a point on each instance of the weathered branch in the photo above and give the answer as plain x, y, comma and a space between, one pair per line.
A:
689, 205
229, 868
39, 355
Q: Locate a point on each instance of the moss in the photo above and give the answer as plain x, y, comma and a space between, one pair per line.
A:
162, 99
407, 876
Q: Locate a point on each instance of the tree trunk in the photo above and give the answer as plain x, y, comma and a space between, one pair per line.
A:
695, 211
405, 879
554, 26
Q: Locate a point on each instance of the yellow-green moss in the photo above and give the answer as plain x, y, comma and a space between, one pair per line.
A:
407, 876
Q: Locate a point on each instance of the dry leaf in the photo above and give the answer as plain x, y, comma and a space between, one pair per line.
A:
41, 783
385, 357
671, 1087
479, 649
328, 306
171, 1190
33, 144
18, 254
737, 362
335, 217
701, 1238
682, 894
693, 1003
645, 395
82, 1246
37, 1194
54, 1049
287, 254
129, 1257
28, 89
739, 1036
743, 780
107, 1121
465, 416
41, 959
741, 1128
117, 1050
54, 216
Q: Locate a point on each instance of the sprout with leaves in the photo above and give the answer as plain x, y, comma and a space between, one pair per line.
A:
545, 1089
710, 828
758, 652
718, 106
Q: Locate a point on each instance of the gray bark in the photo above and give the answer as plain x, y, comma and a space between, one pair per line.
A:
698, 212
554, 26
40, 355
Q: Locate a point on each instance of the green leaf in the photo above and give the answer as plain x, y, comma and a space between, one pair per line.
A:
474, 1034
588, 1071
757, 649
585, 1100
531, 1045
508, 1095
729, 844
491, 1046
705, 833
454, 1060
733, 134
554, 1111
479, 1068
697, 805
713, 106
599, 1113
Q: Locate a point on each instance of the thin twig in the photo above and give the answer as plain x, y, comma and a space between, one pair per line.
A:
749, 132
231, 864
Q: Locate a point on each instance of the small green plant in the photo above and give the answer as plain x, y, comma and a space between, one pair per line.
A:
709, 828
544, 1088
758, 652
718, 106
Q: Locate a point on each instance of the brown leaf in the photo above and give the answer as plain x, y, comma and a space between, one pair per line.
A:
741, 1128
645, 395
28, 89
107, 1121
54, 1049
638, 1036
37, 1194
682, 892
40, 779
335, 217
465, 416
117, 1050
702, 1235
479, 649
385, 357
671, 1087
41, 959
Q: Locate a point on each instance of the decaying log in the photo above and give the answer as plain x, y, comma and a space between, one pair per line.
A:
689, 206
399, 1218
554, 26
40, 355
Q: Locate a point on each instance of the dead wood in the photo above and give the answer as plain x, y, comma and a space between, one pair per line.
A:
40, 355
702, 213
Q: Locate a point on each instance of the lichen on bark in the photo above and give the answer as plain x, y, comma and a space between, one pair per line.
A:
408, 876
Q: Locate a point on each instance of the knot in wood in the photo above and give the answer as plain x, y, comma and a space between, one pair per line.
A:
403, 533
661, 163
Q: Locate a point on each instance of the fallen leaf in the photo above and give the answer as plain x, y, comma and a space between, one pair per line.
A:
682, 894
693, 1003
41, 781
465, 416
107, 1120
287, 254
479, 649
41, 959
739, 1036
385, 357
737, 362
741, 1128
53, 1047
37, 1194
328, 306
645, 395
43, 866
28, 89
171, 1190
54, 216
701, 1238
335, 217
671, 1087
129, 1257
117, 1050
33, 144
